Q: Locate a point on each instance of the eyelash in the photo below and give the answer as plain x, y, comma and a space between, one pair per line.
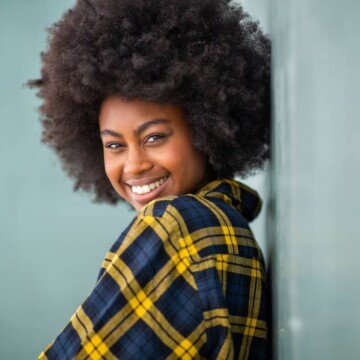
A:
156, 136
115, 146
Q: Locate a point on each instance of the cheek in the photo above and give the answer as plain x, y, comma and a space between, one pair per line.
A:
196, 165
173, 159
187, 162
112, 169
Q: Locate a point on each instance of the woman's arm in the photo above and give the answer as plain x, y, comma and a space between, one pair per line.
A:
158, 298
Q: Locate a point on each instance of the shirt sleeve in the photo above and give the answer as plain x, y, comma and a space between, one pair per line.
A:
144, 306
156, 298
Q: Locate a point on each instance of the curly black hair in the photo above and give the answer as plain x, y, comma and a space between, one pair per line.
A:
208, 56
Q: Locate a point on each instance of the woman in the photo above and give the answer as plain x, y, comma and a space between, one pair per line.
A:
160, 103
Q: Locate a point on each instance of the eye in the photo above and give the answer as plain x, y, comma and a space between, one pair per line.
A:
114, 146
155, 138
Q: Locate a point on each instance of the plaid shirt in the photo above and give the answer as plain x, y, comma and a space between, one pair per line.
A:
185, 280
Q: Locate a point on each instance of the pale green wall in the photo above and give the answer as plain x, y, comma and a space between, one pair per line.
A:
316, 178
52, 240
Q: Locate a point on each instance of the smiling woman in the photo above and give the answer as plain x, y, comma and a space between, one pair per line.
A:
148, 152
160, 103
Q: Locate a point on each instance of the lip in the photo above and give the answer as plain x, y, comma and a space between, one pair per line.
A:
152, 195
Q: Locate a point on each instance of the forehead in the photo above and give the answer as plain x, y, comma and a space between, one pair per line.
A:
118, 112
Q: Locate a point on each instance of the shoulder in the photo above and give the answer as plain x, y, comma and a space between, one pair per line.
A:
187, 206
193, 211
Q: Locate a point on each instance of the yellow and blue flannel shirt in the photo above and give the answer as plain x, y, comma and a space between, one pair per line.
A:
185, 280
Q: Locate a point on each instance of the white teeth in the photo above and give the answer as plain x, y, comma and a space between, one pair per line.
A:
149, 187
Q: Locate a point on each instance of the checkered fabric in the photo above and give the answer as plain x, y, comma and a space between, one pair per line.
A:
185, 280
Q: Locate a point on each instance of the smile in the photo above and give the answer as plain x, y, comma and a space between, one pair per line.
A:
145, 189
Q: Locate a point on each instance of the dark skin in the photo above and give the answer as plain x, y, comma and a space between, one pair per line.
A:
148, 151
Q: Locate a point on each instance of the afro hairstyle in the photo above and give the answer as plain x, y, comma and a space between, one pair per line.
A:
207, 56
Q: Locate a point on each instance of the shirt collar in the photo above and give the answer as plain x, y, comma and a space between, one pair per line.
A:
243, 198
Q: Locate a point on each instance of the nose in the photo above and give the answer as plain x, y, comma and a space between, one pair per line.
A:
137, 162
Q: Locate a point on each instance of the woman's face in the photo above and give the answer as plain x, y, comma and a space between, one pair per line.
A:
148, 152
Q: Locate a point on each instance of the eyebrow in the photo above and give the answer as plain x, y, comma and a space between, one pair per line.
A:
140, 129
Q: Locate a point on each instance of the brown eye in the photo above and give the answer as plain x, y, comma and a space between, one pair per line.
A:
155, 137
114, 147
